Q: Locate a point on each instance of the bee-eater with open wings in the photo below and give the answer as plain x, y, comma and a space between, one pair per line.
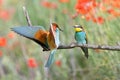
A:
49, 40
80, 37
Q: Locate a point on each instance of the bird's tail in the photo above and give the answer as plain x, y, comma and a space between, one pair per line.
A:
85, 50
50, 59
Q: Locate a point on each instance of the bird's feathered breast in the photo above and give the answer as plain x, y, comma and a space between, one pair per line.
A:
80, 37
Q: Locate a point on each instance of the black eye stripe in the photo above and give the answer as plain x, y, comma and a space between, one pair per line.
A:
78, 26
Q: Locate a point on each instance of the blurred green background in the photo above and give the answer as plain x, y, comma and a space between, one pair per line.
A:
23, 59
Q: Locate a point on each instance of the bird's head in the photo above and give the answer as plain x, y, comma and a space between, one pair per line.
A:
54, 27
78, 28
54, 30
54, 33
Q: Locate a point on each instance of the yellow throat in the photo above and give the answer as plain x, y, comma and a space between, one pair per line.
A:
78, 29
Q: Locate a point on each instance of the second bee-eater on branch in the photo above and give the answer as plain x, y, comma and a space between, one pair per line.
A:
80, 37
49, 40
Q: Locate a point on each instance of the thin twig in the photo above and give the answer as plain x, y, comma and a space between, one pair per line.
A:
32, 73
27, 16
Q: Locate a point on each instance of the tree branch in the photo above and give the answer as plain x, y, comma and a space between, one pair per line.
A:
73, 45
103, 47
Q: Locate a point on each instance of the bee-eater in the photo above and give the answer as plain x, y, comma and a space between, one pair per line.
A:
49, 40
80, 37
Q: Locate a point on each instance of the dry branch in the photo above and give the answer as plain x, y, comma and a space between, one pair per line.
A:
27, 16
103, 47
73, 45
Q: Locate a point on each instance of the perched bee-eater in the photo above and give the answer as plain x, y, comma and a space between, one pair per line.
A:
80, 37
49, 40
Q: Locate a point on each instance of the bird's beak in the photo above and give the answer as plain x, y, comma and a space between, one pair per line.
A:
60, 29
73, 26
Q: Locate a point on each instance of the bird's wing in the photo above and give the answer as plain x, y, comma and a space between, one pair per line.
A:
36, 33
51, 38
52, 32
86, 38
85, 50
75, 36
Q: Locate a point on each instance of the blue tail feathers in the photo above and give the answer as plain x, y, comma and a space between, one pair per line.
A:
50, 59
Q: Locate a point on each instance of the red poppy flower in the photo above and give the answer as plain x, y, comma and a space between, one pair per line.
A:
99, 20
0, 53
64, 1
113, 12
49, 4
85, 6
58, 63
115, 3
101, 6
107, 2
32, 63
11, 35
89, 17
5, 15
3, 41
110, 11
1, 2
